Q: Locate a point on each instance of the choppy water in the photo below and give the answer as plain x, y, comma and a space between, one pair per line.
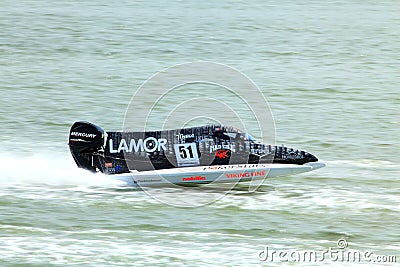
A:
330, 72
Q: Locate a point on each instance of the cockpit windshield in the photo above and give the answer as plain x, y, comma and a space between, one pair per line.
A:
247, 136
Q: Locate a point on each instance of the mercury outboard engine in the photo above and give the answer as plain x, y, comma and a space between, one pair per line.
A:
86, 140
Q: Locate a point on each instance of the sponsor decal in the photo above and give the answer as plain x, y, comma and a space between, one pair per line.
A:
108, 164
257, 150
218, 147
150, 144
88, 135
245, 174
230, 167
184, 136
222, 153
194, 178
143, 180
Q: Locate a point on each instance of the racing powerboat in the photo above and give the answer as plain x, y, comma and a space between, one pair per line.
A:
196, 155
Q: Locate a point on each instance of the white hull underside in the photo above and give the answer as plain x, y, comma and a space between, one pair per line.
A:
214, 174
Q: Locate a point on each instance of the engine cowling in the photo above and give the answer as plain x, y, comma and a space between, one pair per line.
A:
85, 141
86, 137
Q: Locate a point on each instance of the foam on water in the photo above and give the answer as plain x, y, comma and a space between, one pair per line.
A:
48, 168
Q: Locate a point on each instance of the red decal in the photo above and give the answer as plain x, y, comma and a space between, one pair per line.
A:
245, 174
194, 178
222, 153
108, 164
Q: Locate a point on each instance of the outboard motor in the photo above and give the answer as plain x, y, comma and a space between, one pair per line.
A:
86, 140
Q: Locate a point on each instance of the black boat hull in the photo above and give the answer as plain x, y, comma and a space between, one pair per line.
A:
122, 152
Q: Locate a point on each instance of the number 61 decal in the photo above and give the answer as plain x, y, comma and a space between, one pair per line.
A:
186, 154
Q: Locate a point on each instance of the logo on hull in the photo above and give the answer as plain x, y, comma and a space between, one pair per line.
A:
150, 144
184, 136
218, 147
246, 174
222, 154
194, 178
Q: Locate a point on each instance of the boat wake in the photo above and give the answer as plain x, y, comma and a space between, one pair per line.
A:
48, 169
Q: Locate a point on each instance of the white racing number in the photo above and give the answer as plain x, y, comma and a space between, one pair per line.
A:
186, 154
